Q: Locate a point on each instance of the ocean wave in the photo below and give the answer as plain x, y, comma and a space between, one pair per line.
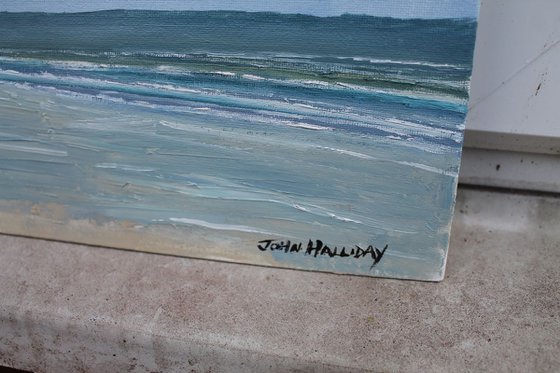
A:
258, 108
46, 77
444, 100
287, 57
278, 112
449, 102
263, 56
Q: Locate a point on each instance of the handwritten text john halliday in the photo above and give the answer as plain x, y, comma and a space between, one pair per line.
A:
320, 249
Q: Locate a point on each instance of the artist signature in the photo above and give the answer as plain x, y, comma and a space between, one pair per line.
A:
317, 248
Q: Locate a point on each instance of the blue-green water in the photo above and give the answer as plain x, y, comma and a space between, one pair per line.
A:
347, 129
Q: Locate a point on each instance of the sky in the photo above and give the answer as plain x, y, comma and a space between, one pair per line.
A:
322, 8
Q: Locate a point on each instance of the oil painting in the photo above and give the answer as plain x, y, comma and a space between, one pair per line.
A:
317, 135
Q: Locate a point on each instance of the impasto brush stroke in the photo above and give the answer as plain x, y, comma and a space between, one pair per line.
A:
230, 128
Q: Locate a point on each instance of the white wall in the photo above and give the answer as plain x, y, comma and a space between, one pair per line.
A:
513, 126
515, 91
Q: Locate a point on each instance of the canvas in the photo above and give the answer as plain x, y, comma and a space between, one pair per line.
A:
318, 135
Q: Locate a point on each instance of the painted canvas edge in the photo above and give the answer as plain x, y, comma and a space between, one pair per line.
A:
124, 236
39, 223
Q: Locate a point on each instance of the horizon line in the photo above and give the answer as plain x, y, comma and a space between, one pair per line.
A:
240, 11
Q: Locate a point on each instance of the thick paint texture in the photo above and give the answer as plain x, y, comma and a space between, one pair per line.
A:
212, 131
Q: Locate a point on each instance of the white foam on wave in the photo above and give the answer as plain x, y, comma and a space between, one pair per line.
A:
166, 69
346, 220
81, 65
158, 54
10, 72
306, 126
104, 97
315, 83
404, 163
399, 62
427, 168
300, 208
49, 77
167, 87
306, 106
99, 83
221, 227
223, 73
34, 149
252, 77
346, 152
123, 167
415, 95
407, 128
321, 211
175, 125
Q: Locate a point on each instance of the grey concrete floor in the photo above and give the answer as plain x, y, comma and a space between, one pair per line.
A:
67, 307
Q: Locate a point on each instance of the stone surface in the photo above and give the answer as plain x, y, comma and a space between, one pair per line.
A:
66, 307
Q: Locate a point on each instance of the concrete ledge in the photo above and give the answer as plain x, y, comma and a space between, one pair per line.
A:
67, 307
504, 169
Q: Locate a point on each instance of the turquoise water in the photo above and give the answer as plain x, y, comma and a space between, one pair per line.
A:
346, 129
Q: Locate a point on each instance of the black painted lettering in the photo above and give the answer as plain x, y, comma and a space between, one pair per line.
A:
263, 248
343, 253
296, 248
379, 255
318, 248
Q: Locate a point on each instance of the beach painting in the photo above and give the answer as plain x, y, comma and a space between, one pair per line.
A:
316, 135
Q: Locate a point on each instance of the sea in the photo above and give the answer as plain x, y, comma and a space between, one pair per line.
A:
345, 129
